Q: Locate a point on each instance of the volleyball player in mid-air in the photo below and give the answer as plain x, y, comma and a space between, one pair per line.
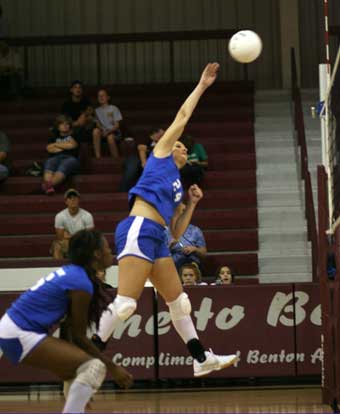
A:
76, 290
142, 250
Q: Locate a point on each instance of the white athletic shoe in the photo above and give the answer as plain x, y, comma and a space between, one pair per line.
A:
213, 363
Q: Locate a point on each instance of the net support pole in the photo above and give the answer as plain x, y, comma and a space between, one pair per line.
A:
324, 126
324, 80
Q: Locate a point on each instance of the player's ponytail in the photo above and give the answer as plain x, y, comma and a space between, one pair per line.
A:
82, 247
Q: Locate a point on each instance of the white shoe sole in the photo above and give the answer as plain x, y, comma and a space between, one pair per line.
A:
226, 365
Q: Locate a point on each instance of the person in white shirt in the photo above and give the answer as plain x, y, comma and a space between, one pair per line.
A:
68, 222
108, 118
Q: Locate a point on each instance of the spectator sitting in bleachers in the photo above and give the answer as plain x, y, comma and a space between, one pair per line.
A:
80, 109
191, 275
4, 161
11, 72
108, 118
191, 246
193, 171
134, 164
224, 276
145, 149
68, 222
63, 155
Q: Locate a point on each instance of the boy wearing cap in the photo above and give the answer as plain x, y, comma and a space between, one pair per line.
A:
68, 222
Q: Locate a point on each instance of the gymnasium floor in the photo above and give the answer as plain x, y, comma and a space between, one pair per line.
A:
219, 400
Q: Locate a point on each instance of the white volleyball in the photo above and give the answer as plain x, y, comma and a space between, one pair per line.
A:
245, 46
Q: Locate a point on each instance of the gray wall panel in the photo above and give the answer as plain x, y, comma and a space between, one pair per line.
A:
148, 62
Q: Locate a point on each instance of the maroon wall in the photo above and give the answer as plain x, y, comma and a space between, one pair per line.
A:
275, 329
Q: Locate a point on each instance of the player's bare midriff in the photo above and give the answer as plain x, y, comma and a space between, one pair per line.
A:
144, 209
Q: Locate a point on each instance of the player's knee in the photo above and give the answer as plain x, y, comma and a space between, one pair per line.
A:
124, 306
91, 373
180, 308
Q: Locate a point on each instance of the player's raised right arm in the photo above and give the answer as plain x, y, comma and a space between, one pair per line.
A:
175, 130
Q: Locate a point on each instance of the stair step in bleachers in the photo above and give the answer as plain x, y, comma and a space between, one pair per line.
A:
241, 263
108, 183
214, 199
38, 245
106, 165
12, 224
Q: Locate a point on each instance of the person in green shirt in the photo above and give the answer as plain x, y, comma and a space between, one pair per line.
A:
193, 171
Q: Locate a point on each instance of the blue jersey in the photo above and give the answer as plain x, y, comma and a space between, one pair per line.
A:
159, 185
47, 301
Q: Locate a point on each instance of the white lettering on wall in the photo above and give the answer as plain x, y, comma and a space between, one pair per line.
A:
280, 307
132, 325
255, 356
315, 316
316, 356
228, 318
203, 314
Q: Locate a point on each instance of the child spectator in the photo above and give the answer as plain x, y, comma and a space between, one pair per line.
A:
68, 222
193, 171
191, 275
4, 162
63, 155
224, 276
108, 118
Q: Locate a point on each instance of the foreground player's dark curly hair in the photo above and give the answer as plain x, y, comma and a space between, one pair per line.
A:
82, 247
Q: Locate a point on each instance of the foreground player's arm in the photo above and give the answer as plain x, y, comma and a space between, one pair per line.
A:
180, 222
80, 303
175, 130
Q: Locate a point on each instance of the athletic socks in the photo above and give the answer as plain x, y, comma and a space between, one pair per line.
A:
186, 330
196, 350
98, 342
78, 396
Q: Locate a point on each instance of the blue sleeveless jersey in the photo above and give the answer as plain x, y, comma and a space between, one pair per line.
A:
46, 302
159, 185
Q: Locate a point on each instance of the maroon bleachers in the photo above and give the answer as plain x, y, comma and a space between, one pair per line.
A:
223, 123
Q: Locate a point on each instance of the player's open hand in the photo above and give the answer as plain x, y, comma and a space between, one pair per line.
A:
195, 194
209, 74
121, 376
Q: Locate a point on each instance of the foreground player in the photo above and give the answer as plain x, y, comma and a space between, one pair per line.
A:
24, 327
141, 245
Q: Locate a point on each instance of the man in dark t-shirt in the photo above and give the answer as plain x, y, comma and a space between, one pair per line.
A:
134, 164
80, 109
77, 104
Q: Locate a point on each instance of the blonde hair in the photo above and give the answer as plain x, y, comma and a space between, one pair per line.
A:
193, 266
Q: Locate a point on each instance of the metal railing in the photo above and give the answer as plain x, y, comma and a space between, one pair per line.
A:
305, 174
